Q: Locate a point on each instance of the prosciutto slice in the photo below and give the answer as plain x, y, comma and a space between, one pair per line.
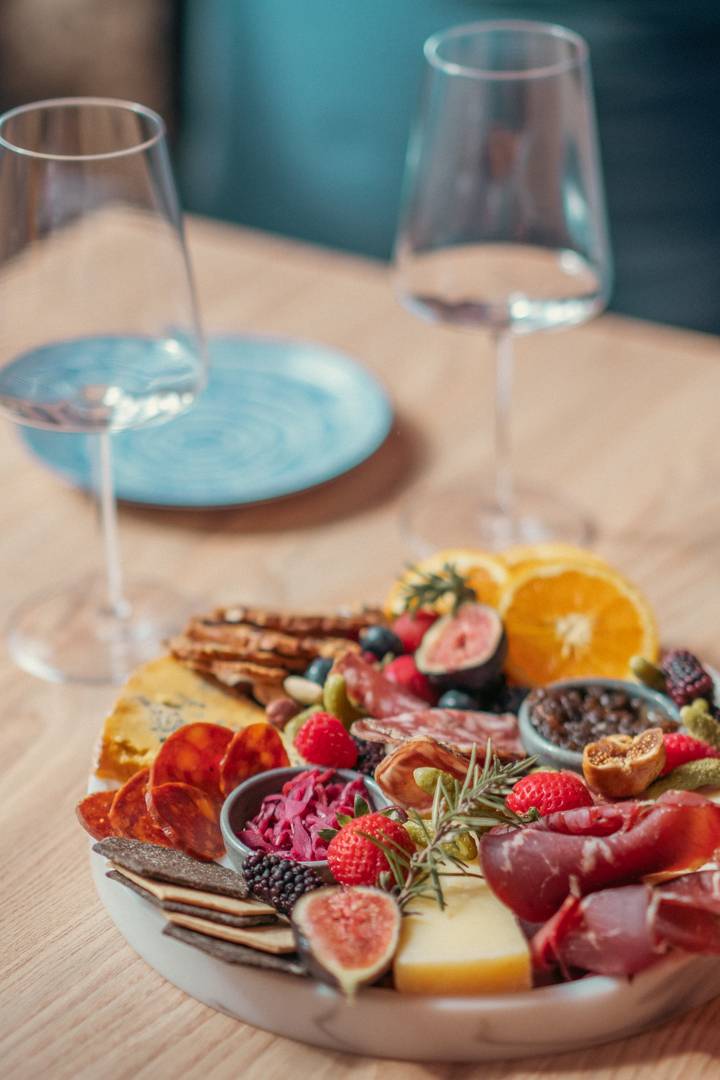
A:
371, 691
457, 728
535, 868
394, 774
623, 930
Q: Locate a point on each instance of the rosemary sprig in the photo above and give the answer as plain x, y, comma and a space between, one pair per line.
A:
427, 587
474, 804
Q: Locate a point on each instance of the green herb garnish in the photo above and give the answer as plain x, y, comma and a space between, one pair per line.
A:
472, 805
427, 587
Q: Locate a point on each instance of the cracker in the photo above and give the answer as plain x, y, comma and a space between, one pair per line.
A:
196, 898
271, 939
232, 953
166, 864
251, 919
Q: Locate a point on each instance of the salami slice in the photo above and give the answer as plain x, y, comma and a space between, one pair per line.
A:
461, 729
189, 818
371, 691
192, 755
129, 815
94, 814
253, 750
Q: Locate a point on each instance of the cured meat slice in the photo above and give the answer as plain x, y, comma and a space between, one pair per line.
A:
253, 750
621, 931
394, 774
192, 755
372, 692
129, 815
189, 818
460, 729
94, 814
533, 869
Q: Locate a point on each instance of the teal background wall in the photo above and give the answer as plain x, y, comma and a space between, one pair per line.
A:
296, 115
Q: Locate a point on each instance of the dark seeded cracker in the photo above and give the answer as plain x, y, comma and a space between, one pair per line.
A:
190, 909
166, 864
232, 953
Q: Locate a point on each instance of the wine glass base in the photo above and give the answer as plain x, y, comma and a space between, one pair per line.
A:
449, 516
70, 636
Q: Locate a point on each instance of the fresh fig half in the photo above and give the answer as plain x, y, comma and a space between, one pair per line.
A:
465, 650
347, 937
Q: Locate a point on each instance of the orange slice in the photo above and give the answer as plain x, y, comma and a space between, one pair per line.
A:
527, 556
485, 573
572, 619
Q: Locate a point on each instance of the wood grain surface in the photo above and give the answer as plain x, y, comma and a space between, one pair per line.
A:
620, 416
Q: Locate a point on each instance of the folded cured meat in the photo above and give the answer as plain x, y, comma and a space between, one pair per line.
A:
371, 691
394, 774
621, 931
533, 869
460, 729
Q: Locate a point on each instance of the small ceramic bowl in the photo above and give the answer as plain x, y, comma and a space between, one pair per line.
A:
244, 802
548, 753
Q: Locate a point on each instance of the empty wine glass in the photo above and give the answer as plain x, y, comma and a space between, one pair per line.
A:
100, 333
502, 227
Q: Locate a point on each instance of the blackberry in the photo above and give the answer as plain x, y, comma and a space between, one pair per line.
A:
686, 678
277, 881
370, 754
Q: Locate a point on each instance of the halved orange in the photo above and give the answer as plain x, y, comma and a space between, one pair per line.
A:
526, 556
571, 619
485, 573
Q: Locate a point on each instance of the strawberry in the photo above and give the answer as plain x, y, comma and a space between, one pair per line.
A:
323, 740
411, 628
548, 792
354, 859
681, 748
404, 671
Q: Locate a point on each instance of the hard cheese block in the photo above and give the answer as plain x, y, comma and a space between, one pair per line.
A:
474, 946
157, 699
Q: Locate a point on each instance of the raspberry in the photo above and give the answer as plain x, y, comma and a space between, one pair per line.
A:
411, 628
356, 860
279, 882
322, 740
404, 671
686, 678
681, 748
548, 792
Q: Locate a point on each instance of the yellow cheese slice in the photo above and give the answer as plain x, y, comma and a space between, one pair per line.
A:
158, 698
474, 946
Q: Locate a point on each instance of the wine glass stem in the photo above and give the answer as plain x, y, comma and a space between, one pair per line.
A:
107, 507
502, 340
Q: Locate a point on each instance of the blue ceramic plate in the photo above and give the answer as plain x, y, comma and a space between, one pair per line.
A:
277, 417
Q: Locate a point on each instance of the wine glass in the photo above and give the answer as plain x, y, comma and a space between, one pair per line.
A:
100, 333
503, 226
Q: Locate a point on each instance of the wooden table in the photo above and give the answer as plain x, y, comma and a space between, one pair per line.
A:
621, 416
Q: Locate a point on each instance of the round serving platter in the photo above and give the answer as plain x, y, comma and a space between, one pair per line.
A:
382, 1023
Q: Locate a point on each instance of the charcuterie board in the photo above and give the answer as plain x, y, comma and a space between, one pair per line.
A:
329, 826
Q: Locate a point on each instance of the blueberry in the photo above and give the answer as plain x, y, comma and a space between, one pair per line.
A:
318, 670
379, 640
457, 699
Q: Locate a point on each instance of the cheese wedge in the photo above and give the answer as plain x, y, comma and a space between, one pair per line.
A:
158, 698
474, 946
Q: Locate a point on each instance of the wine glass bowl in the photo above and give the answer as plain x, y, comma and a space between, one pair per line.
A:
503, 225
100, 334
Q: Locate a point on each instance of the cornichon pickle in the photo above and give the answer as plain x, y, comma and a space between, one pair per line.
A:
648, 673
688, 777
700, 722
337, 702
427, 778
